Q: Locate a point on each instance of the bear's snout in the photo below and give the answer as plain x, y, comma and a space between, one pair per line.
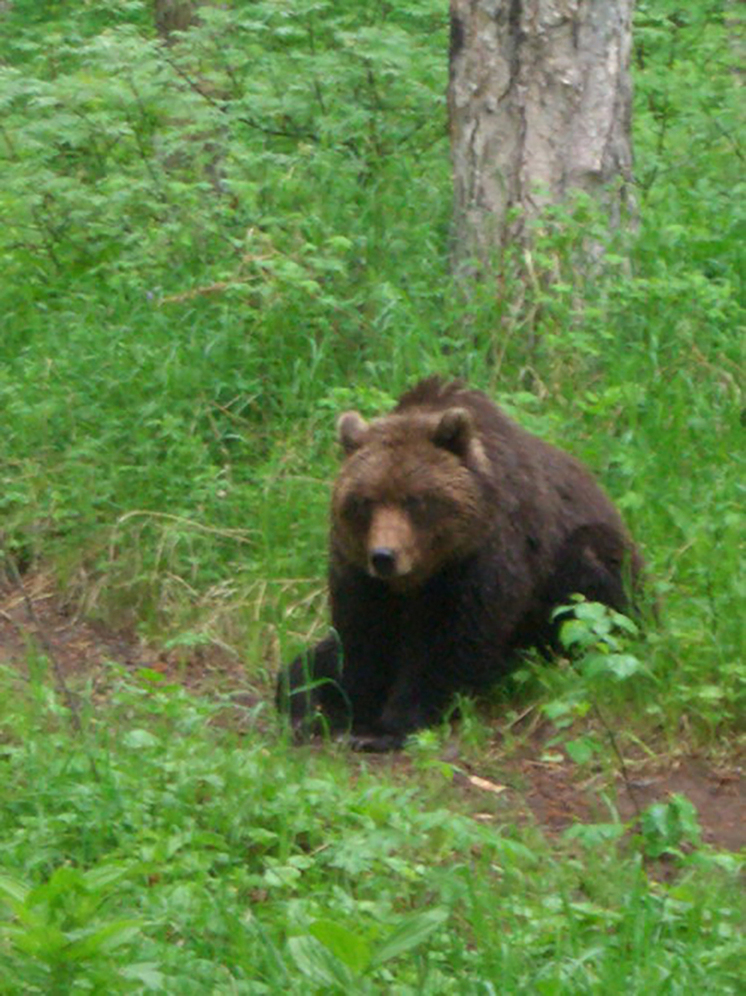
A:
390, 546
383, 562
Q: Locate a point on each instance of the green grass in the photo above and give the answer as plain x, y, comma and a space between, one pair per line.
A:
193, 287
163, 853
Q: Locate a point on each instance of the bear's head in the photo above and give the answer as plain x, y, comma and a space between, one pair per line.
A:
410, 497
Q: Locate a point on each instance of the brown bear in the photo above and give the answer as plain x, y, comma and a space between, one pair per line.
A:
454, 534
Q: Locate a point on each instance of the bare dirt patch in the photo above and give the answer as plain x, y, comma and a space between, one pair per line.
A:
36, 620
558, 794
555, 794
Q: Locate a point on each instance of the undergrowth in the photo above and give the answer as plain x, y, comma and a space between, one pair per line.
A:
160, 853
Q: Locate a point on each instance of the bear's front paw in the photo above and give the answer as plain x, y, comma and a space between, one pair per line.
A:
377, 743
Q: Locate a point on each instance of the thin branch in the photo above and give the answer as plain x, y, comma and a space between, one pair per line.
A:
611, 736
250, 122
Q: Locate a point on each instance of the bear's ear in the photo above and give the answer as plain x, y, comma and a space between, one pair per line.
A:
351, 431
454, 431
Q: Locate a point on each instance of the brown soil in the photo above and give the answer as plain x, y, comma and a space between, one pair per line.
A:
35, 620
559, 794
549, 790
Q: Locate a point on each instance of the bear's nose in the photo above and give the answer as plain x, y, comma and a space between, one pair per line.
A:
383, 561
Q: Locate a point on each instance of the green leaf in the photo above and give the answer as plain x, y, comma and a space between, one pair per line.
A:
13, 889
593, 834
63, 882
710, 693
147, 973
623, 666
138, 739
666, 825
350, 948
575, 632
42, 941
582, 749
104, 939
318, 963
104, 876
412, 932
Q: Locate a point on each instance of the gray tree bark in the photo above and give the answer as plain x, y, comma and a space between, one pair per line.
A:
539, 104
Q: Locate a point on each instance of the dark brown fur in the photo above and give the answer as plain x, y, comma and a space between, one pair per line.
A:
454, 534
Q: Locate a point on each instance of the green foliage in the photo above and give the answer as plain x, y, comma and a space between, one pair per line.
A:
58, 939
337, 958
140, 163
666, 826
159, 853
597, 640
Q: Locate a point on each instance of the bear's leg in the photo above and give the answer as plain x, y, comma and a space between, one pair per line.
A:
597, 562
334, 687
309, 690
442, 651
417, 700
419, 697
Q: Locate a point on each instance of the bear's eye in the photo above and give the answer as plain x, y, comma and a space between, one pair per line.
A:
356, 507
430, 508
417, 505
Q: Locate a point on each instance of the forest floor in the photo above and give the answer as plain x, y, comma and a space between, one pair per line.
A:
530, 784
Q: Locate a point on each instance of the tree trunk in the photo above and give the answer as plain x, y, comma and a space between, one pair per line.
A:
174, 15
539, 104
